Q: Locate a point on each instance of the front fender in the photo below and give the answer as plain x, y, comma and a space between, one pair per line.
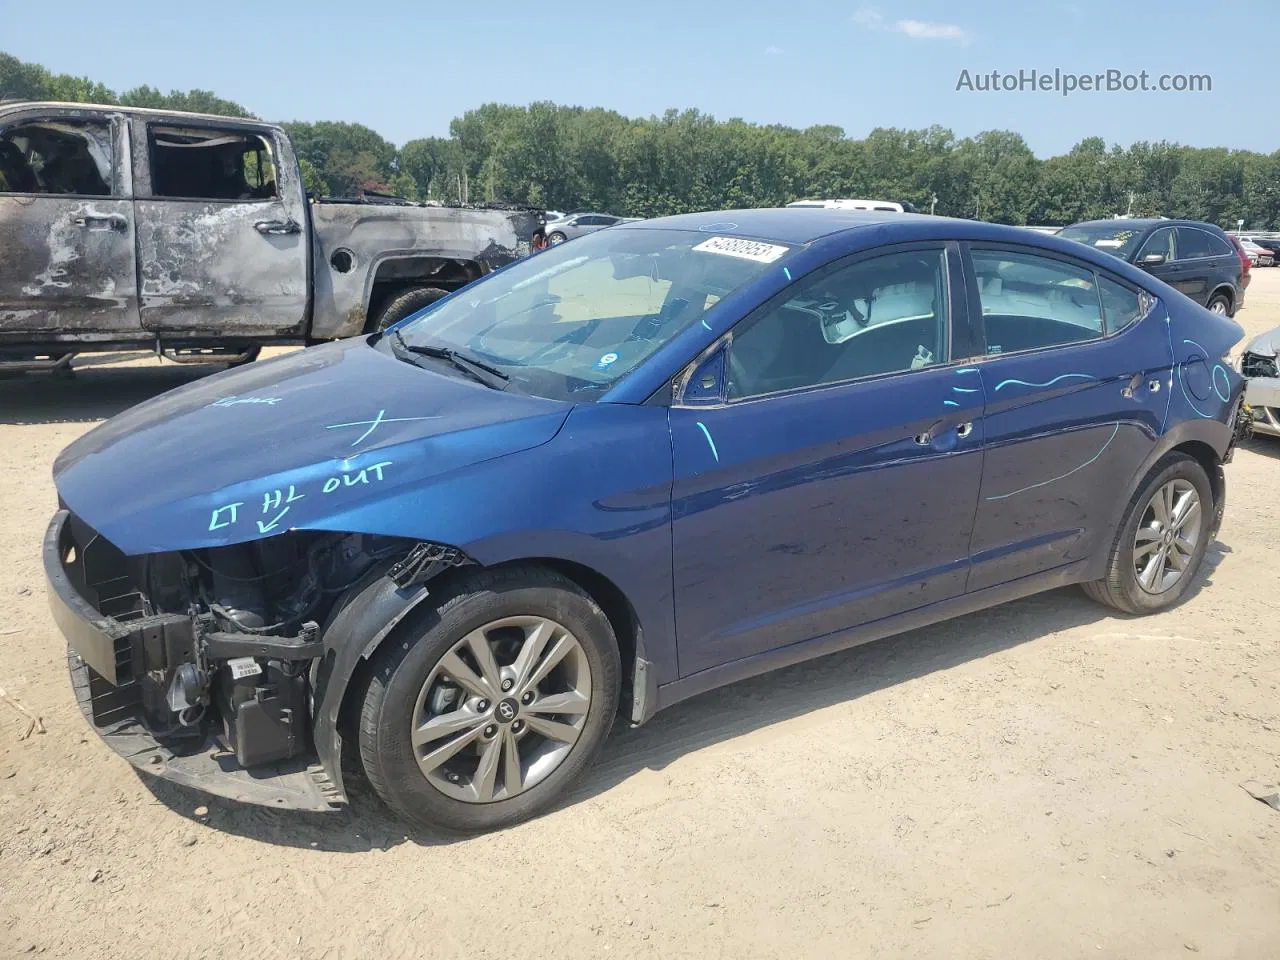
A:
361, 621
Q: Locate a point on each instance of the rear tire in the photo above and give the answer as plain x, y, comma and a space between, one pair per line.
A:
1145, 539
407, 303
423, 655
1219, 303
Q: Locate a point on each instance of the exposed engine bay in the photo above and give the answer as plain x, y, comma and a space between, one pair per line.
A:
230, 637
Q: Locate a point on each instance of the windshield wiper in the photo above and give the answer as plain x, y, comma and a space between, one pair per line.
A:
486, 373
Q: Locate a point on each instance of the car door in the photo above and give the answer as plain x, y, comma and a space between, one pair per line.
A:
1076, 378
1198, 264
833, 480
66, 225
222, 246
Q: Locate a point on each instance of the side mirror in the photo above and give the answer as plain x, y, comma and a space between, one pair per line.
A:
1152, 260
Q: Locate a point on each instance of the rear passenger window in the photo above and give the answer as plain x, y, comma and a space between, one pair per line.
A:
1030, 301
194, 164
1193, 244
1220, 247
878, 316
1120, 305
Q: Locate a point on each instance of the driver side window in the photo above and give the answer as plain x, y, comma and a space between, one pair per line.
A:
885, 315
1160, 242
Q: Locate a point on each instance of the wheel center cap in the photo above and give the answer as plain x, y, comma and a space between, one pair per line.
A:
506, 710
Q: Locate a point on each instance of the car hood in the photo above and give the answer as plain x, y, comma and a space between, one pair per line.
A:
1265, 344
288, 443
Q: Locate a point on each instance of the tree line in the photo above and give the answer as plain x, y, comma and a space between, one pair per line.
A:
571, 158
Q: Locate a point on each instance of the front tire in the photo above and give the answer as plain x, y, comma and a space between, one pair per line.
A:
1160, 546
556, 238
483, 711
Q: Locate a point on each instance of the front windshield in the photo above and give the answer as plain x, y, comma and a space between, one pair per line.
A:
1116, 239
570, 322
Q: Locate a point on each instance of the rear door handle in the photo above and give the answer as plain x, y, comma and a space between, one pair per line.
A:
277, 227
925, 439
112, 222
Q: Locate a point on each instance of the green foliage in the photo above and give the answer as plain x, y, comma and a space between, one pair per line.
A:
571, 158
312, 182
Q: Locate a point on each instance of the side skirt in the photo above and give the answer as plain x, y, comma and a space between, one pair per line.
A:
682, 689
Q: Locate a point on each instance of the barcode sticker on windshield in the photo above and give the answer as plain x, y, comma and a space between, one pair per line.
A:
743, 249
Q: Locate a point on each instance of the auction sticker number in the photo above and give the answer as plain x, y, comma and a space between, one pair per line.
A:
743, 249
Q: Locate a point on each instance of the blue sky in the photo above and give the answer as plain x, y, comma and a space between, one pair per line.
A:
406, 69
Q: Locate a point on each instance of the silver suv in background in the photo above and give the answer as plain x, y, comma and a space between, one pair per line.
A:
578, 224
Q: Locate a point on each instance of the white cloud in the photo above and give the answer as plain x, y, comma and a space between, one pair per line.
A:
772, 51
872, 19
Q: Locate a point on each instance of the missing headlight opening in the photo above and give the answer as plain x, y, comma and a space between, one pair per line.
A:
220, 644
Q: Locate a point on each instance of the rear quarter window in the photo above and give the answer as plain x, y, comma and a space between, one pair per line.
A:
1121, 305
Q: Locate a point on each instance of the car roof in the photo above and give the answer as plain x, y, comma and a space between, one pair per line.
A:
855, 230
93, 109
783, 224
1143, 223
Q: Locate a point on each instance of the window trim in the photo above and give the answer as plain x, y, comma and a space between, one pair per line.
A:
977, 320
149, 143
956, 321
117, 187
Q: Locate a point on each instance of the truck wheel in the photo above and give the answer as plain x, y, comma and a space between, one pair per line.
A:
485, 709
409, 302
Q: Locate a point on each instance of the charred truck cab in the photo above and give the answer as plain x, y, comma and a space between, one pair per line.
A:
123, 228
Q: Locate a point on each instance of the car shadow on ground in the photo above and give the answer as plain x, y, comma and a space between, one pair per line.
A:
702, 721
1263, 445
95, 389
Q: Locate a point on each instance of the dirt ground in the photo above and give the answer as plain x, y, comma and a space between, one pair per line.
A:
1040, 780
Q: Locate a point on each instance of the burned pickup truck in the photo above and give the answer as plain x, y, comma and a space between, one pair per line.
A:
192, 235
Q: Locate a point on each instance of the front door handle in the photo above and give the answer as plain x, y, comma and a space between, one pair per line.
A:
111, 222
277, 228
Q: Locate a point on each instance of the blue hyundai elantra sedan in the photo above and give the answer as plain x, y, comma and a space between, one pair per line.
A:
634, 467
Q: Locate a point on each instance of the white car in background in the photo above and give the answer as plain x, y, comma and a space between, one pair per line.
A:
1261, 369
883, 206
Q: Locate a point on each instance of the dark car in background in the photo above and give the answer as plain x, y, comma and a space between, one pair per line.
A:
1195, 258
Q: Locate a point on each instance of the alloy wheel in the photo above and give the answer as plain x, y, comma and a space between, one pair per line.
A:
1219, 307
502, 709
1167, 537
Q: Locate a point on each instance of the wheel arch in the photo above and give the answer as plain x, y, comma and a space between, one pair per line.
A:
377, 609
393, 273
1228, 291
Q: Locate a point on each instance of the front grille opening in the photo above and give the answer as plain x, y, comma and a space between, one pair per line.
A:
1252, 365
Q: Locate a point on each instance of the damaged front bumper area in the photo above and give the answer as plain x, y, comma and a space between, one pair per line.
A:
114, 649
1262, 392
202, 667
